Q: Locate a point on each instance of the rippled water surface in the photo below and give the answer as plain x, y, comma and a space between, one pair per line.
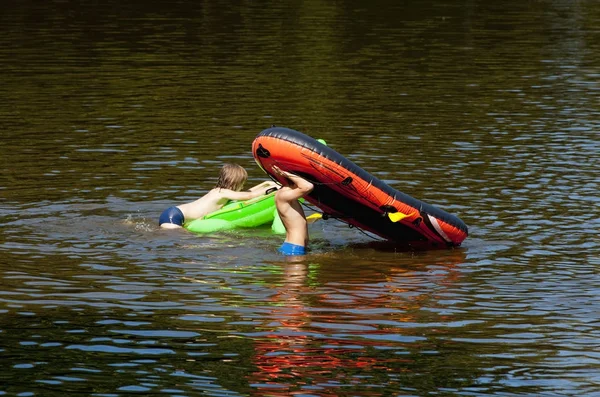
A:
110, 112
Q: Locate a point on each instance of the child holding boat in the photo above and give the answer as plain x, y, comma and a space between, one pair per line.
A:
291, 213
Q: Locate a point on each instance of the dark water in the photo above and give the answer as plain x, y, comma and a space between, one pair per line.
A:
112, 111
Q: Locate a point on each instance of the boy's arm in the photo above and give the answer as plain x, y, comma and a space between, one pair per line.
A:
301, 186
240, 196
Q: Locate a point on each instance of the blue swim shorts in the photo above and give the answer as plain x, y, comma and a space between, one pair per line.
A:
292, 249
171, 215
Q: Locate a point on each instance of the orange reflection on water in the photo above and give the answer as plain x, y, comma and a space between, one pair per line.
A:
330, 327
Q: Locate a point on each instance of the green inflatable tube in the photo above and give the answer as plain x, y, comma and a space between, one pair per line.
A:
237, 214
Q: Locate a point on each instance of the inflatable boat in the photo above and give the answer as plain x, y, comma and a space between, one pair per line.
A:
344, 191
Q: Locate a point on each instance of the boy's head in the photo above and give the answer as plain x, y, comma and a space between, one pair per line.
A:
232, 176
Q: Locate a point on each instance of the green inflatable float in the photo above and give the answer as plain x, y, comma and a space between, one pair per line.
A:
240, 214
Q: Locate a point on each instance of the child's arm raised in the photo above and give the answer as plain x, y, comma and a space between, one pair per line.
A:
298, 187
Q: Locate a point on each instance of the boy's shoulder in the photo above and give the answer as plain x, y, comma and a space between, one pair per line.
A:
219, 191
217, 194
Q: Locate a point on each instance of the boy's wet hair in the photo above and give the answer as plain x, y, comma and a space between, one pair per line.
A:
232, 176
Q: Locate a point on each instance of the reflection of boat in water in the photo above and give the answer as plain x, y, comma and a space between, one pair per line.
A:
346, 192
291, 354
327, 328
237, 214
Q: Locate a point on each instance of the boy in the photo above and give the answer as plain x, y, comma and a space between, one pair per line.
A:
291, 213
231, 180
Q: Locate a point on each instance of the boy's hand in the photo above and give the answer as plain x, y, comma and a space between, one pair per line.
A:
277, 170
281, 172
295, 182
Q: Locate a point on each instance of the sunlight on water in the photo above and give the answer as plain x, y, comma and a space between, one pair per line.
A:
116, 111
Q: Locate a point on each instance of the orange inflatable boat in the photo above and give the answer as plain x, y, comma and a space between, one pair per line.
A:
344, 191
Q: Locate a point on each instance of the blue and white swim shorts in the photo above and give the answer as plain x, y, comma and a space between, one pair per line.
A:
290, 249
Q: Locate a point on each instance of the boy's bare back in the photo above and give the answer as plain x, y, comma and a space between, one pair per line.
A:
216, 198
210, 202
229, 183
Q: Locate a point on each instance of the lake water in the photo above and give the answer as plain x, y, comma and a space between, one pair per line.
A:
112, 111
